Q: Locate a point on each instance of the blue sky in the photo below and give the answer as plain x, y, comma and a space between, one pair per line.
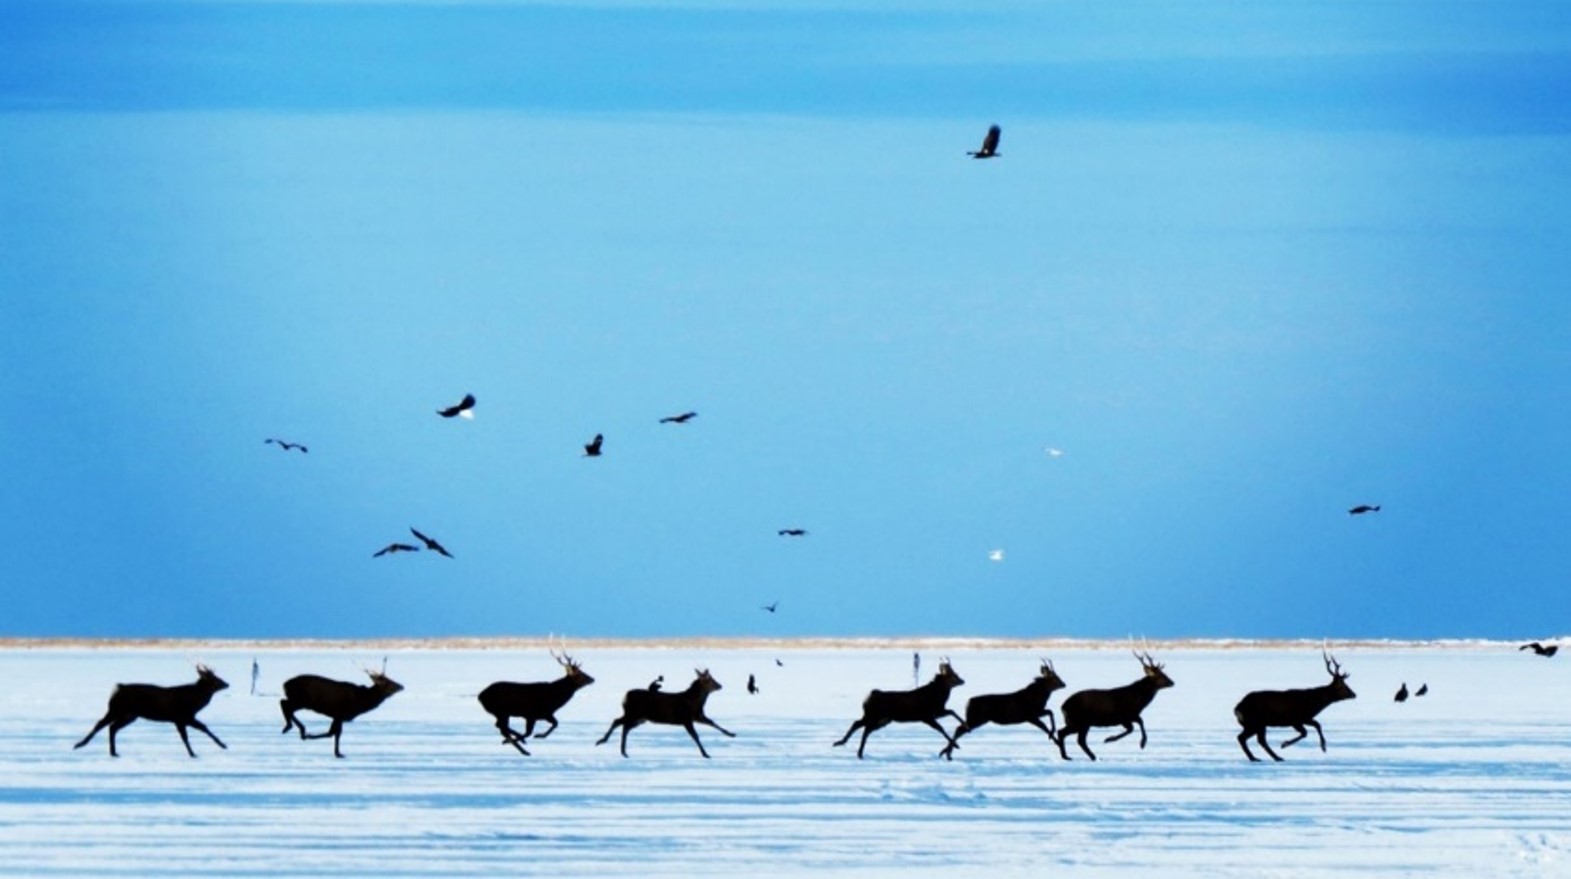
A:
1246, 265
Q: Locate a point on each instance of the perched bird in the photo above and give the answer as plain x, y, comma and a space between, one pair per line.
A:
1423, 690
792, 532
657, 683
1401, 695
779, 664
285, 445
772, 606
989, 144
752, 686
996, 555
684, 418
464, 409
1541, 650
592, 448
1362, 509
394, 548
431, 544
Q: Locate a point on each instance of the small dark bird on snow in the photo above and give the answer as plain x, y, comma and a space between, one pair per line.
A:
1362, 509
772, 606
1401, 695
752, 686
465, 408
684, 418
792, 532
1423, 690
431, 544
989, 148
779, 664
394, 548
286, 446
592, 448
1541, 650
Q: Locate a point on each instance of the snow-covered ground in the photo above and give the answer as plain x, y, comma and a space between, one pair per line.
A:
1473, 779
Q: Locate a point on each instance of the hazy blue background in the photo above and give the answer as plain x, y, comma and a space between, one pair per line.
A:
1246, 264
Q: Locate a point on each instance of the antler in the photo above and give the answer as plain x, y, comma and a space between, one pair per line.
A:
1332, 666
1146, 661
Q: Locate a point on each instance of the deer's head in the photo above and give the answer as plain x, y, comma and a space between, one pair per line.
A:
209, 680
1339, 688
1049, 676
1153, 670
382, 683
572, 670
946, 673
704, 681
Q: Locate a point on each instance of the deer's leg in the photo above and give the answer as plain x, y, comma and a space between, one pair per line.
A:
628, 727
1142, 724
1035, 721
290, 720
107, 719
1298, 728
1243, 742
847, 737
509, 736
119, 724
609, 730
548, 730
935, 725
1052, 722
1261, 738
867, 730
337, 732
694, 733
1319, 732
1128, 728
1081, 739
199, 725
704, 720
529, 727
184, 739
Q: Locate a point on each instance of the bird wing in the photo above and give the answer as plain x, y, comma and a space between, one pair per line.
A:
467, 402
990, 143
423, 539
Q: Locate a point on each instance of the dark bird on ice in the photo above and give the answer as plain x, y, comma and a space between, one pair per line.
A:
1401, 694
394, 548
684, 418
752, 686
465, 408
792, 532
1362, 509
1423, 690
772, 606
989, 144
431, 544
592, 448
1541, 650
779, 664
286, 446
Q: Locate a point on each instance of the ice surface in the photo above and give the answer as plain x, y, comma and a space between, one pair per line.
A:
1470, 780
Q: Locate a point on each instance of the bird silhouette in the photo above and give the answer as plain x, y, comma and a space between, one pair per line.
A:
1541, 650
772, 606
592, 448
684, 418
1362, 509
657, 683
1423, 690
431, 544
1401, 694
286, 446
465, 408
792, 532
394, 548
752, 686
996, 555
779, 664
989, 144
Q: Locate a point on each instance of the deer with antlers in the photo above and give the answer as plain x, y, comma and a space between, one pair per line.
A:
682, 709
1120, 706
533, 701
1025, 705
925, 704
176, 705
338, 700
1262, 709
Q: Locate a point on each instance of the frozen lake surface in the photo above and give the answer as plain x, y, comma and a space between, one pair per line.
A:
1473, 779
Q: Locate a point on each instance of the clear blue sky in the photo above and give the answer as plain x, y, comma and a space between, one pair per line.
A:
1245, 264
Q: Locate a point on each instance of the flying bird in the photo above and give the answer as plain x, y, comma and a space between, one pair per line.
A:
1541, 650
989, 144
286, 446
792, 532
772, 606
431, 544
394, 548
996, 555
592, 448
684, 418
1054, 453
1423, 690
464, 409
1401, 694
752, 686
1362, 509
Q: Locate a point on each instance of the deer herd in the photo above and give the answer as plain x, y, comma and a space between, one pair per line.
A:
341, 702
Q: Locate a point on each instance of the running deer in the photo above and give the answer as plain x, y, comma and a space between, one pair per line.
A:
533, 702
675, 709
925, 704
1295, 708
1025, 705
338, 700
176, 705
1120, 706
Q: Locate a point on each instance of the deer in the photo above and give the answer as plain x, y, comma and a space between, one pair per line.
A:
1025, 705
925, 704
1120, 706
1295, 708
675, 709
533, 702
176, 705
339, 700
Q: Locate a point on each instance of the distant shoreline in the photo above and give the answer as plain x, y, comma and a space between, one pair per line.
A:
911, 642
